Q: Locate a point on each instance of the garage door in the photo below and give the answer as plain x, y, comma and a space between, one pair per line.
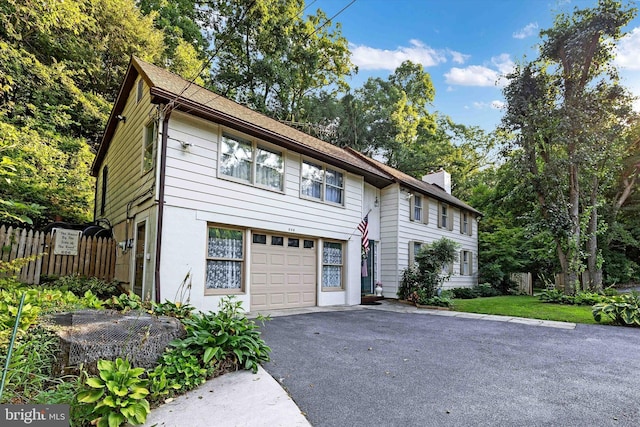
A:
283, 272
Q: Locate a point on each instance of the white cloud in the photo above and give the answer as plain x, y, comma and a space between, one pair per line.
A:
627, 52
497, 105
371, 58
481, 75
527, 31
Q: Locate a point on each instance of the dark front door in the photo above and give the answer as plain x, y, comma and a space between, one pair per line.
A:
367, 282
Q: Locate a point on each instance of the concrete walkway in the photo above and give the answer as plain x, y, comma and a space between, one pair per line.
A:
241, 398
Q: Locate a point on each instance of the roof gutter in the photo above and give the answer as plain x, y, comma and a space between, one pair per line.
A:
161, 184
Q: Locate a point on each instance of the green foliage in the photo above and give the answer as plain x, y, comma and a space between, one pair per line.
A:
180, 368
428, 275
622, 309
125, 302
80, 285
463, 293
29, 371
225, 336
486, 290
117, 395
173, 309
420, 297
556, 296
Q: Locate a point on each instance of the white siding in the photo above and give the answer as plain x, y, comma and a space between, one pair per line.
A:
196, 196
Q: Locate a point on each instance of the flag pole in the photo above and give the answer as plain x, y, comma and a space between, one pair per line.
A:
356, 229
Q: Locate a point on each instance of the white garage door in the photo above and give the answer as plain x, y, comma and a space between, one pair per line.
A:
283, 272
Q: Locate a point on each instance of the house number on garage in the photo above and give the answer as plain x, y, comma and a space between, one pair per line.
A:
291, 230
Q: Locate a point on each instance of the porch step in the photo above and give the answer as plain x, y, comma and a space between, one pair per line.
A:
369, 299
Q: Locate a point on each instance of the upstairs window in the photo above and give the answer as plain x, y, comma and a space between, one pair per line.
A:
445, 220
139, 90
322, 183
465, 223
149, 146
251, 163
419, 209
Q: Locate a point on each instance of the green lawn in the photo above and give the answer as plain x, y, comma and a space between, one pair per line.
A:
526, 306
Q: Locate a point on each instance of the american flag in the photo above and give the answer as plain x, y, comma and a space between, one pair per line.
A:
364, 229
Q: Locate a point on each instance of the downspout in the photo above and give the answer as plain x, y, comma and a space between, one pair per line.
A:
163, 167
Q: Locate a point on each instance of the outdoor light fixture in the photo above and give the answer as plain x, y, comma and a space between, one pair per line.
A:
121, 118
376, 203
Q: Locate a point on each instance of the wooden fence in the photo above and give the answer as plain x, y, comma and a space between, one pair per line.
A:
86, 256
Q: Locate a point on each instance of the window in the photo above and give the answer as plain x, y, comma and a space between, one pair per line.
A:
465, 223
225, 259
103, 196
139, 90
149, 147
293, 243
414, 248
260, 239
466, 263
332, 265
419, 209
246, 161
444, 217
321, 183
277, 241
308, 244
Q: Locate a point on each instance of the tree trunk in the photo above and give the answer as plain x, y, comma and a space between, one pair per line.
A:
573, 250
595, 270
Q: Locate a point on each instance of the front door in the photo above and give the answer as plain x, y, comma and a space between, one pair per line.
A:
138, 282
367, 281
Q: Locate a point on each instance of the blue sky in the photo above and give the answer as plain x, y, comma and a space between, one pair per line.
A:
465, 45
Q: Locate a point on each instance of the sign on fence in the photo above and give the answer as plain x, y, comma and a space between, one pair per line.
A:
66, 241
87, 256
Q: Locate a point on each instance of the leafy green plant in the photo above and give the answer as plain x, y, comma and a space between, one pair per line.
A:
622, 309
182, 368
173, 309
119, 392
464, 293
125, 302
79, 285
420, 296
225, 336
486, 290
160, 385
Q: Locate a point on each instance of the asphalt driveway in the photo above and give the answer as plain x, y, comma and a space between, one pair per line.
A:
378, 368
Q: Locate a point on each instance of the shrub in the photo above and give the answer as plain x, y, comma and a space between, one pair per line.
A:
464, 293
486, 290
224, 336
621, 309
80, 285
428, 275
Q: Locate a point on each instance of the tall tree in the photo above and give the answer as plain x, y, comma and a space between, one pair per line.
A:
268, 56
564, 109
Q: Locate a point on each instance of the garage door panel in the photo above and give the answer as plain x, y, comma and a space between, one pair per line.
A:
282, 276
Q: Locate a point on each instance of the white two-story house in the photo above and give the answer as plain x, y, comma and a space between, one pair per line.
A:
202, 191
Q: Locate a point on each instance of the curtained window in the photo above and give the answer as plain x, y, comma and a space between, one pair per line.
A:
332, 265
225, 259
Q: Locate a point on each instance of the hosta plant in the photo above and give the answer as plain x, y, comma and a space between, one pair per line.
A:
622, 309
118, 394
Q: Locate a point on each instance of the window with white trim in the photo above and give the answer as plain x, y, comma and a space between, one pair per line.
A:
139, 90
332, 265
322, 183
249, 162
225, 259
150, 139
